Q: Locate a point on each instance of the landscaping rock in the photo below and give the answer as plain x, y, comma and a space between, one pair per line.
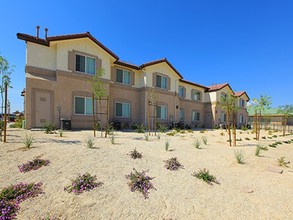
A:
275, 170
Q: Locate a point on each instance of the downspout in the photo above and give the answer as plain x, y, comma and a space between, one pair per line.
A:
145, 101
175, 101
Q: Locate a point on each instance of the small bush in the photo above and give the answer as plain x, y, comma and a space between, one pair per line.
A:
60, 133
173, 164
239, 155
247, 138
202, 131
139, 128
20, 192
167, 144
222, 133
205, 176
159, 136
135, 154
110, 129
161, 128
33, 165
258, 149
8, 209
85, 182
196, 144
146, 136
204, 140
90, 142
244, 128
49, 127
27, 140
139, 181
275, 136
282, 162
171, 133
264, 137
112, 139
239, 139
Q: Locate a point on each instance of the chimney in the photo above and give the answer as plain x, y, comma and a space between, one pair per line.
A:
38, 30
46, 33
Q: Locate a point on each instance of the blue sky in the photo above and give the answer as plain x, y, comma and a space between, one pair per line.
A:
248, 43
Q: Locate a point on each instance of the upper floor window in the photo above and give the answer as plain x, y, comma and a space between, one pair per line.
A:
242, 102
122, 109
195, 95
195, 116
224, 95
123, 76
181, 91
162, 112
85, 64
161, 82
83, 105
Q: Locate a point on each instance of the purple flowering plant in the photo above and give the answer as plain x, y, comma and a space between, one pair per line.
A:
139, 181
173, 164
33, 165
85, 182
11, 196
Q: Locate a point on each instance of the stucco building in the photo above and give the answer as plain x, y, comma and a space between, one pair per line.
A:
58, 73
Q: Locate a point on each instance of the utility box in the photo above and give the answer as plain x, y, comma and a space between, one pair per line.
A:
65, 124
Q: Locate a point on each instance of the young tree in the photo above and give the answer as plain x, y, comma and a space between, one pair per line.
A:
5, 71
234, 110
227, 103
286, 111
260, 105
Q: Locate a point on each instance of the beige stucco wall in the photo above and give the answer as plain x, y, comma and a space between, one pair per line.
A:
41, 56
84, 45
189, 88
162, 68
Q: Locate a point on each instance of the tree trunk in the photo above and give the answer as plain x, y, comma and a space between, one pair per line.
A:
234, 130
228, 126
255, 124
284, 125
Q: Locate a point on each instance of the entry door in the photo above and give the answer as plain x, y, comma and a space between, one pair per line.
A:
208, 119
43, 104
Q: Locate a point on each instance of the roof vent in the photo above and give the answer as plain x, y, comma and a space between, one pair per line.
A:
46, 33
38, 31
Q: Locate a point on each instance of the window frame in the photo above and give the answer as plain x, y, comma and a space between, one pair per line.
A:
122, 103
183, 89
193, 92
123, 72
85, 109
160, 117
242, 102
196, 114
85, 64
181, 111
161, 83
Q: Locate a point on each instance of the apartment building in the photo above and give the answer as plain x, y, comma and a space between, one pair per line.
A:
59, 70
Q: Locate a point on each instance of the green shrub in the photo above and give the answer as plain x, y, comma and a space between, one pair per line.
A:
204, 140
205, 176
60, 133
135, 154
139, 128
260, 147
196, 144
282, 162
247, 138
167, 144
146, 135
49, 127
27, 140
90, 142
239, 155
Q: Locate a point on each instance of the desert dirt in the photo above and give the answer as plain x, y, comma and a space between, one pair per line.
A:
178, 194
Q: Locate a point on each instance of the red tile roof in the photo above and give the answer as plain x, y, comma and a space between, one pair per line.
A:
238, 94
161, 61
217, 87
194, 84
47, 41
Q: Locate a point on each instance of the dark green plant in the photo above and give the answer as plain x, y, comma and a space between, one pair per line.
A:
205, 176
173, 164
27, 140
140, 128
49, 127
239, 155
90, 142
135, 154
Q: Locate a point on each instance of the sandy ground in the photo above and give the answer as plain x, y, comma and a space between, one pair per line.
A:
179, 195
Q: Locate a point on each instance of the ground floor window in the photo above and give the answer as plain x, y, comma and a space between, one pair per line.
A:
83, 105
162, 112
122, 109
181, 113
223, 117
241, 119
195, 116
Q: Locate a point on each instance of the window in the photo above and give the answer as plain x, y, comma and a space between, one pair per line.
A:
123, 76
241, 119
195, 116
223, 117
195, 95
122, 109
181, 91
181, 114
161, 82
83, 106
242, 102
162, 112
223, 95
85, 64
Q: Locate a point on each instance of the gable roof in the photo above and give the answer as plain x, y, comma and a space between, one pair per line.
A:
238, 94
164, 60
46, 42
193, 84
217, 87
126, 64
